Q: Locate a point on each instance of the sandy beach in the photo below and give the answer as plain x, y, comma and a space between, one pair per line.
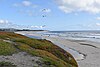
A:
86, 53
90, 51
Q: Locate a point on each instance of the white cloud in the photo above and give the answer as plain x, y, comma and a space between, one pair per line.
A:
34, 26
8, 24
97, 24
39, 27
98, 18
28, 7
69, 6
3, 21
26, 3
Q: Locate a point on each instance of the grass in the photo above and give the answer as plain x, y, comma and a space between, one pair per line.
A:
52, 55
6, 48
6, 64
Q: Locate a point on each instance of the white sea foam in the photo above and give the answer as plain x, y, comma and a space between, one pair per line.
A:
77, 35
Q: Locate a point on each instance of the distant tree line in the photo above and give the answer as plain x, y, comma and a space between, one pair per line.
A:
12, 30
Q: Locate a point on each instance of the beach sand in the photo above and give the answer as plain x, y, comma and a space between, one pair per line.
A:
89, 52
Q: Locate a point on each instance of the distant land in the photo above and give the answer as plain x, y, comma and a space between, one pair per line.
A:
13, 29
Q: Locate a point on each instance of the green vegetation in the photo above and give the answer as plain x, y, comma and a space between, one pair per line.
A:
53, 56
6, 64
47, 57
6, 48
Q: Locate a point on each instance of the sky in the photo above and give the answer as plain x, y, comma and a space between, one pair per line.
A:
57, 15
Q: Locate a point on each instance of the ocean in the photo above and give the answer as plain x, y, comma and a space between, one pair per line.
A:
76, 35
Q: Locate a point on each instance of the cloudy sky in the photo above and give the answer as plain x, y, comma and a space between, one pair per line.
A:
50, 14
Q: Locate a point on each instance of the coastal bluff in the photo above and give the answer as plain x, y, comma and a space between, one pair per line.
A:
20, 51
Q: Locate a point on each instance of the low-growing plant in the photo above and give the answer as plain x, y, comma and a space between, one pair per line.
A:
7, 64
48, 46
48, 58
6, 48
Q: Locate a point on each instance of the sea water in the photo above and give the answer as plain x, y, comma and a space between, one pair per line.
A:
76, 35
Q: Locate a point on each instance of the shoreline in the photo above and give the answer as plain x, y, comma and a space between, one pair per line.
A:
76, 54
89, 51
